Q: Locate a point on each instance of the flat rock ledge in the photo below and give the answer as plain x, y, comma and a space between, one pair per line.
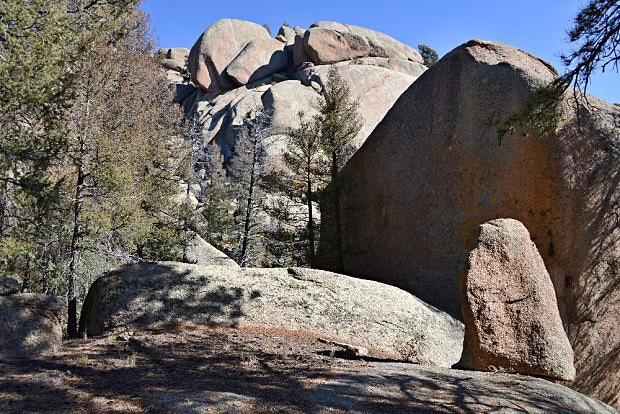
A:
389, 322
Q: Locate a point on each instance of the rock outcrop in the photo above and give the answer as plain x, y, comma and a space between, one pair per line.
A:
217, 47
330, 42
387, 321
512, 322
433, 171
200, 252
8, 286
236, 61
30, 325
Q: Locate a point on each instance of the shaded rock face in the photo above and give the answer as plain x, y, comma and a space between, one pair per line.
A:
8, 286
433, 171
512, 322
258, 59
30, 325
389, 322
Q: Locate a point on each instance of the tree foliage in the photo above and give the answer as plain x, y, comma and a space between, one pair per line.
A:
429, 55
236, 191
596, 34
88, 163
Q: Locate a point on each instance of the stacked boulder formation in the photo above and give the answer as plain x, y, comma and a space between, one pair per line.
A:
430, 169
237, 67
30, 324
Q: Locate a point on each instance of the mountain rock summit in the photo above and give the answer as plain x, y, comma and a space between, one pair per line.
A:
236, 67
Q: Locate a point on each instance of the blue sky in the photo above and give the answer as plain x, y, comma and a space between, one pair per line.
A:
538, 27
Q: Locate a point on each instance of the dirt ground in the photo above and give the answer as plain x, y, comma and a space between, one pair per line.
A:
223, 370
186, 370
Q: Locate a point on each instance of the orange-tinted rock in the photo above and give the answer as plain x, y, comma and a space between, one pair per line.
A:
217, 47
433, 170
512, 322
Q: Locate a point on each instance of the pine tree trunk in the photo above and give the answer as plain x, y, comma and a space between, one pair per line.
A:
310, 218
337, 225
75, 251
76, 238
247, 225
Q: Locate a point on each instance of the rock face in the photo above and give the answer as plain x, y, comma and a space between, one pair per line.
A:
433, 171
258, 59
393, 324
30, 325
331, 42
512, 322
217, 47
200, 252
236, 61
8, 286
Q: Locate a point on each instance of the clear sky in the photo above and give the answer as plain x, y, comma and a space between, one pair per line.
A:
537, 26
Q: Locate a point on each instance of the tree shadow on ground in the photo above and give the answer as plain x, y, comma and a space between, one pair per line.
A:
157, 294
231, 370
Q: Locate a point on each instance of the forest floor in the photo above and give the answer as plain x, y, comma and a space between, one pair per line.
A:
224, 370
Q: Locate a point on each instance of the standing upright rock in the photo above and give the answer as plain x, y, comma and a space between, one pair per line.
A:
512, 322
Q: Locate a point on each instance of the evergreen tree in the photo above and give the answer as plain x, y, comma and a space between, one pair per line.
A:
123, 179
306, 161
429, 55
596, 32
339, 124
87, 164
235, 195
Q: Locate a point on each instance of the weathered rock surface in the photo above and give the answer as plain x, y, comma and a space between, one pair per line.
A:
217, 47
331, 42
258, 59
30, 325
287, 34
200, 252
375, 88
512, 322
433, 170
8, 286
388, 321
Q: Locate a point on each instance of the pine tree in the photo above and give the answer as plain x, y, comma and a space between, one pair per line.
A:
123, 179
339, 124
88, 166
248, 170
306, 162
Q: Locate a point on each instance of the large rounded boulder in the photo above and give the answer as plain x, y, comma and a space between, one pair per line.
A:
217, 47
387, 321
433, 170
331, 42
